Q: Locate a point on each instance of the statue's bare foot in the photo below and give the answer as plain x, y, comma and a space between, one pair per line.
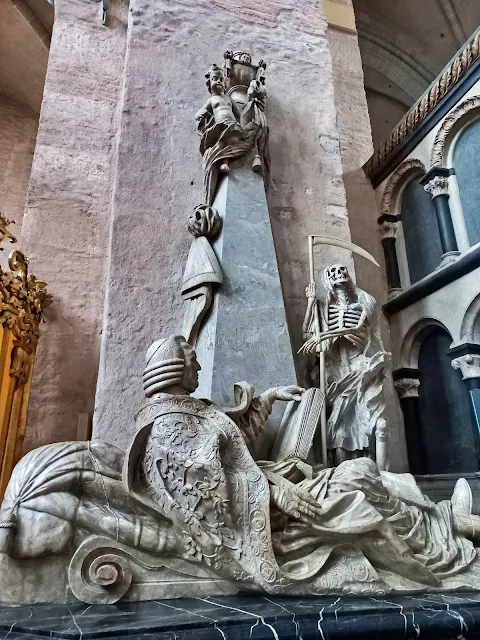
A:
224, 168
464, 523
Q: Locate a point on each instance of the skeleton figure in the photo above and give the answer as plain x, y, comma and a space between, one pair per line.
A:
344, 325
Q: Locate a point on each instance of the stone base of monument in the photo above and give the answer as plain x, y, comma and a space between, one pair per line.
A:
103, 571
432, 617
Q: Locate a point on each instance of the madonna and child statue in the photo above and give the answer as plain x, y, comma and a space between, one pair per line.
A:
192, 508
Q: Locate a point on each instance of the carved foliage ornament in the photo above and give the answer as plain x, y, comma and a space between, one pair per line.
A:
468, 364
388, 229
407, 387
402, 174
438, 149
449, 78
23, 297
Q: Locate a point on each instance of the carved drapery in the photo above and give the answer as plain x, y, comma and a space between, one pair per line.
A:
22, 299
438, 149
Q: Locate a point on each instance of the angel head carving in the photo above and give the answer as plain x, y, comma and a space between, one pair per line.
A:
215, 79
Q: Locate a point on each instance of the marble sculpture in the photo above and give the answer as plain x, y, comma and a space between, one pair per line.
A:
187, 510
232, 123
344, 323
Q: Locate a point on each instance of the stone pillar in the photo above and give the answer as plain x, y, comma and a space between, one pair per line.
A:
158, 174
388, 231
435, 182
407, 384
469, 366
66, 221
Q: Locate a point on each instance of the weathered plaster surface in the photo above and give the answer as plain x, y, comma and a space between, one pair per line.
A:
18, 130
158, 173
65, 228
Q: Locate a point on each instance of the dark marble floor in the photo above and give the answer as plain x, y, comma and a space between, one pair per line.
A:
438, 617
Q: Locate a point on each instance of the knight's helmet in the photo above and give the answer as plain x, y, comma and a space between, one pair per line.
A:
165, 363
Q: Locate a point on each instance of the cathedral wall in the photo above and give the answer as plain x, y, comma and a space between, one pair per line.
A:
18, 130
65, 228
117, 171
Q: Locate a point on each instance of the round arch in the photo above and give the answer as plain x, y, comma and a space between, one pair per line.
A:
403, 174
412, 341
470, 319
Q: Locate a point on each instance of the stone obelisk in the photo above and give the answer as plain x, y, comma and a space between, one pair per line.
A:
236, 313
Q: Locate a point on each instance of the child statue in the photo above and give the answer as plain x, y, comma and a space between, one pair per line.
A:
223, 137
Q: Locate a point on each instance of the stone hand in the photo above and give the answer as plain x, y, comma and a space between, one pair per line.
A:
310, 346
291, 392
310, 291
296, 503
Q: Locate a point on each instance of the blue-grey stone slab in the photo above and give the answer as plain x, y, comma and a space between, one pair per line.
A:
245, 336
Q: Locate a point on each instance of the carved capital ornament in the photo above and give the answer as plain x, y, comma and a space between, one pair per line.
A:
468, 364
438, 186
407, 387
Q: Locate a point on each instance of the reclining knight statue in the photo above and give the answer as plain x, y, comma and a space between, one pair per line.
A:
189, 511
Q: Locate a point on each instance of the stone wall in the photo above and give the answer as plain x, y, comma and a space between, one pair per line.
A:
65, 228
18, 130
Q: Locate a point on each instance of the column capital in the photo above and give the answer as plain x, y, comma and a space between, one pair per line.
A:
469, 365
407, 387
437, 186
388, 229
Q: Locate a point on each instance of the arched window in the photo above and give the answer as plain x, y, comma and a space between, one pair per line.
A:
467, 167
448, 435
420, 231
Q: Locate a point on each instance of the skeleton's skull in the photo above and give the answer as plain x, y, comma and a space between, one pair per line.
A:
337, 274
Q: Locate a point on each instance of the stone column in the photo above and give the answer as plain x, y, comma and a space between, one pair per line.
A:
158, 177
469, 366
407, 384
388, 231
435, 182
67, 214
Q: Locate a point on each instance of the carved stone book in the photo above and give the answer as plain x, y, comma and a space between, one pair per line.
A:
298, 426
